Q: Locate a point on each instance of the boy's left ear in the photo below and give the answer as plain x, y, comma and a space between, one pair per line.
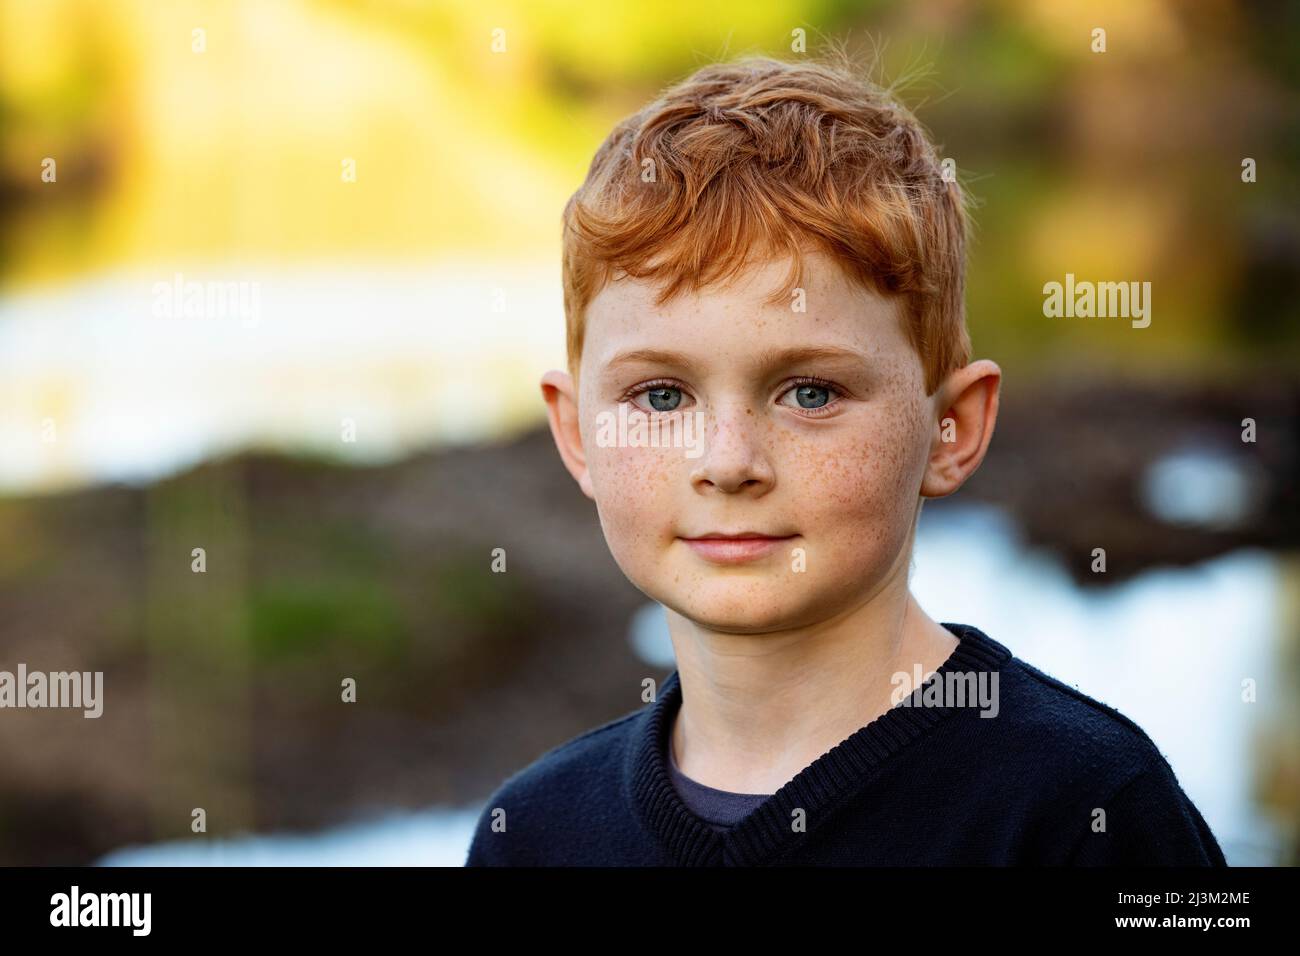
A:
966, 407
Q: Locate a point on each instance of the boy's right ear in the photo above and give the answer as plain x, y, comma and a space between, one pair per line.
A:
562, 412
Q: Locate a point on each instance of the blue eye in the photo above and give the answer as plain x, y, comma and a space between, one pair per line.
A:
812, 396
664, 399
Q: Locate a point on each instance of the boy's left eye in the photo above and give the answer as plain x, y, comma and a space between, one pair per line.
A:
810, 397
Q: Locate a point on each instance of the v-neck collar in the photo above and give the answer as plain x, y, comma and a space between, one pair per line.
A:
817, 789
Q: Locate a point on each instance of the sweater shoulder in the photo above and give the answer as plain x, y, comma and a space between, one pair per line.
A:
576, 778
557, 765
1072, 739
1063, 755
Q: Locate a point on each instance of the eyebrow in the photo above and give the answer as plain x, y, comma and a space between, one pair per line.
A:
769, 359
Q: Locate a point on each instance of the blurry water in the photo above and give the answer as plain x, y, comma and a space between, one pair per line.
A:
437, 837
1206, 485
96, 386
1169, 650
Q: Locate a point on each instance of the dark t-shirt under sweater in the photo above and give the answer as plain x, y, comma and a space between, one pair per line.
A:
1053, 778
721, 809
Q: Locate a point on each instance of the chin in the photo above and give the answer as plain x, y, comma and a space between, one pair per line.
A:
739, 610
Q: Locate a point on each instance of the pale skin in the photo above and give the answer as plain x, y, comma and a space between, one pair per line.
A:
777, 664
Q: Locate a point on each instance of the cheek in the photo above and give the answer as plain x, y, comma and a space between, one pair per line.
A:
859, 491
634, 497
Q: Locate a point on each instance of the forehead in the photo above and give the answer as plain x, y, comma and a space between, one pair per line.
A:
738, 318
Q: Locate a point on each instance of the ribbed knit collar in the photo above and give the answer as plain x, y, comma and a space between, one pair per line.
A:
817, 789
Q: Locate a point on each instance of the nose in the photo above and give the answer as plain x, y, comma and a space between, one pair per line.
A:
734, 458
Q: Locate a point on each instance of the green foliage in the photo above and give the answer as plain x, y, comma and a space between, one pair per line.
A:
291, 617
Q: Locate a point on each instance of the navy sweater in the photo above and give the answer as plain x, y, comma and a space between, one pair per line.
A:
1055, 778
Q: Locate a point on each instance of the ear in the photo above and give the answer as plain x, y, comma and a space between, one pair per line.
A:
562, 411
966, 408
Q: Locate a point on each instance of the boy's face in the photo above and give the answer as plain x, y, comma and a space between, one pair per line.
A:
826, 454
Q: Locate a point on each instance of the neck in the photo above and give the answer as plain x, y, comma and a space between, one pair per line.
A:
758, 708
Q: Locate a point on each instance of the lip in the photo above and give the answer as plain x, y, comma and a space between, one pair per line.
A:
737, 548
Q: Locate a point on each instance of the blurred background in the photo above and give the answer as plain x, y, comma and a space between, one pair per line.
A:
345, 415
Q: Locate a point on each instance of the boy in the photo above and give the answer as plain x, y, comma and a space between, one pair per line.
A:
771, 251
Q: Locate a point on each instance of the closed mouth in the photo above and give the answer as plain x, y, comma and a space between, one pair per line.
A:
740, 536
735, 548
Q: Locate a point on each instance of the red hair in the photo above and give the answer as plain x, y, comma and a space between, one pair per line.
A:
760, 158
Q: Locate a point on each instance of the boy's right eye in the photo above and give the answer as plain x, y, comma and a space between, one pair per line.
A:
662, 399
656, 397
